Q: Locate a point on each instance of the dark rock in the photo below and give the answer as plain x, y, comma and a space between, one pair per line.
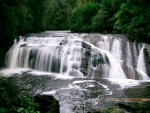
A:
146, 52
135, 107
47, 103
125, 106
147, 59
84, 62
85, 45
87, 53
147, 55
130, 72
94, 111
84, 71
63, 42
23, 45
101, 71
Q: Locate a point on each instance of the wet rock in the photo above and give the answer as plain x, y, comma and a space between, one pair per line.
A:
85, 45
101, 71
63, 42
147, 59
130, 72
84, 62
94, 111
47, 103
132, 105
23, 45
147, 55
135, 107
146, 52
94, 59
87, 53
125, 106
84, 71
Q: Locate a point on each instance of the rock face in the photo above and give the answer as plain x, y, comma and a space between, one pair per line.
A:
130, 72
47, 103
85, 45
85, 58
93, 62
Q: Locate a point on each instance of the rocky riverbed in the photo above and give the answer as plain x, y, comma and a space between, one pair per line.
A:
81, 95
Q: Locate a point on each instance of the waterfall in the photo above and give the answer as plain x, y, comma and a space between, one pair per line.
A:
141, 65
14, 58
129, 55
115, 69
116, 49
79, 55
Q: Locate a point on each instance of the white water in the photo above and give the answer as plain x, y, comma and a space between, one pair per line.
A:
116, 49
126, 83
129, 55
141, 62
141, 65
14, 59
115, 68
63, 53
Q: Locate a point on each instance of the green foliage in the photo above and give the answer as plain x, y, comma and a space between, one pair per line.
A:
58, 14
88, 12
100, 21
26, 20
83, 22
133, 21
113, 16
10, 102
20, 17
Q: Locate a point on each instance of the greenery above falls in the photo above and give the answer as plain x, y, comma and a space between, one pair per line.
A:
21, 17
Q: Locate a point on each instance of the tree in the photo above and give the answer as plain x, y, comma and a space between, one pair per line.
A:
100, 21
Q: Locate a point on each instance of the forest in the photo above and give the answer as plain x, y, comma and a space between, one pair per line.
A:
21, 17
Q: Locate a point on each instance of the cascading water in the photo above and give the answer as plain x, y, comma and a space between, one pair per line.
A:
141, 65
89, 55
130, 55
116, 49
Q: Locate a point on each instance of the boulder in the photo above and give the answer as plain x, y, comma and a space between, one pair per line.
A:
84, 71
85, 45
47, 103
